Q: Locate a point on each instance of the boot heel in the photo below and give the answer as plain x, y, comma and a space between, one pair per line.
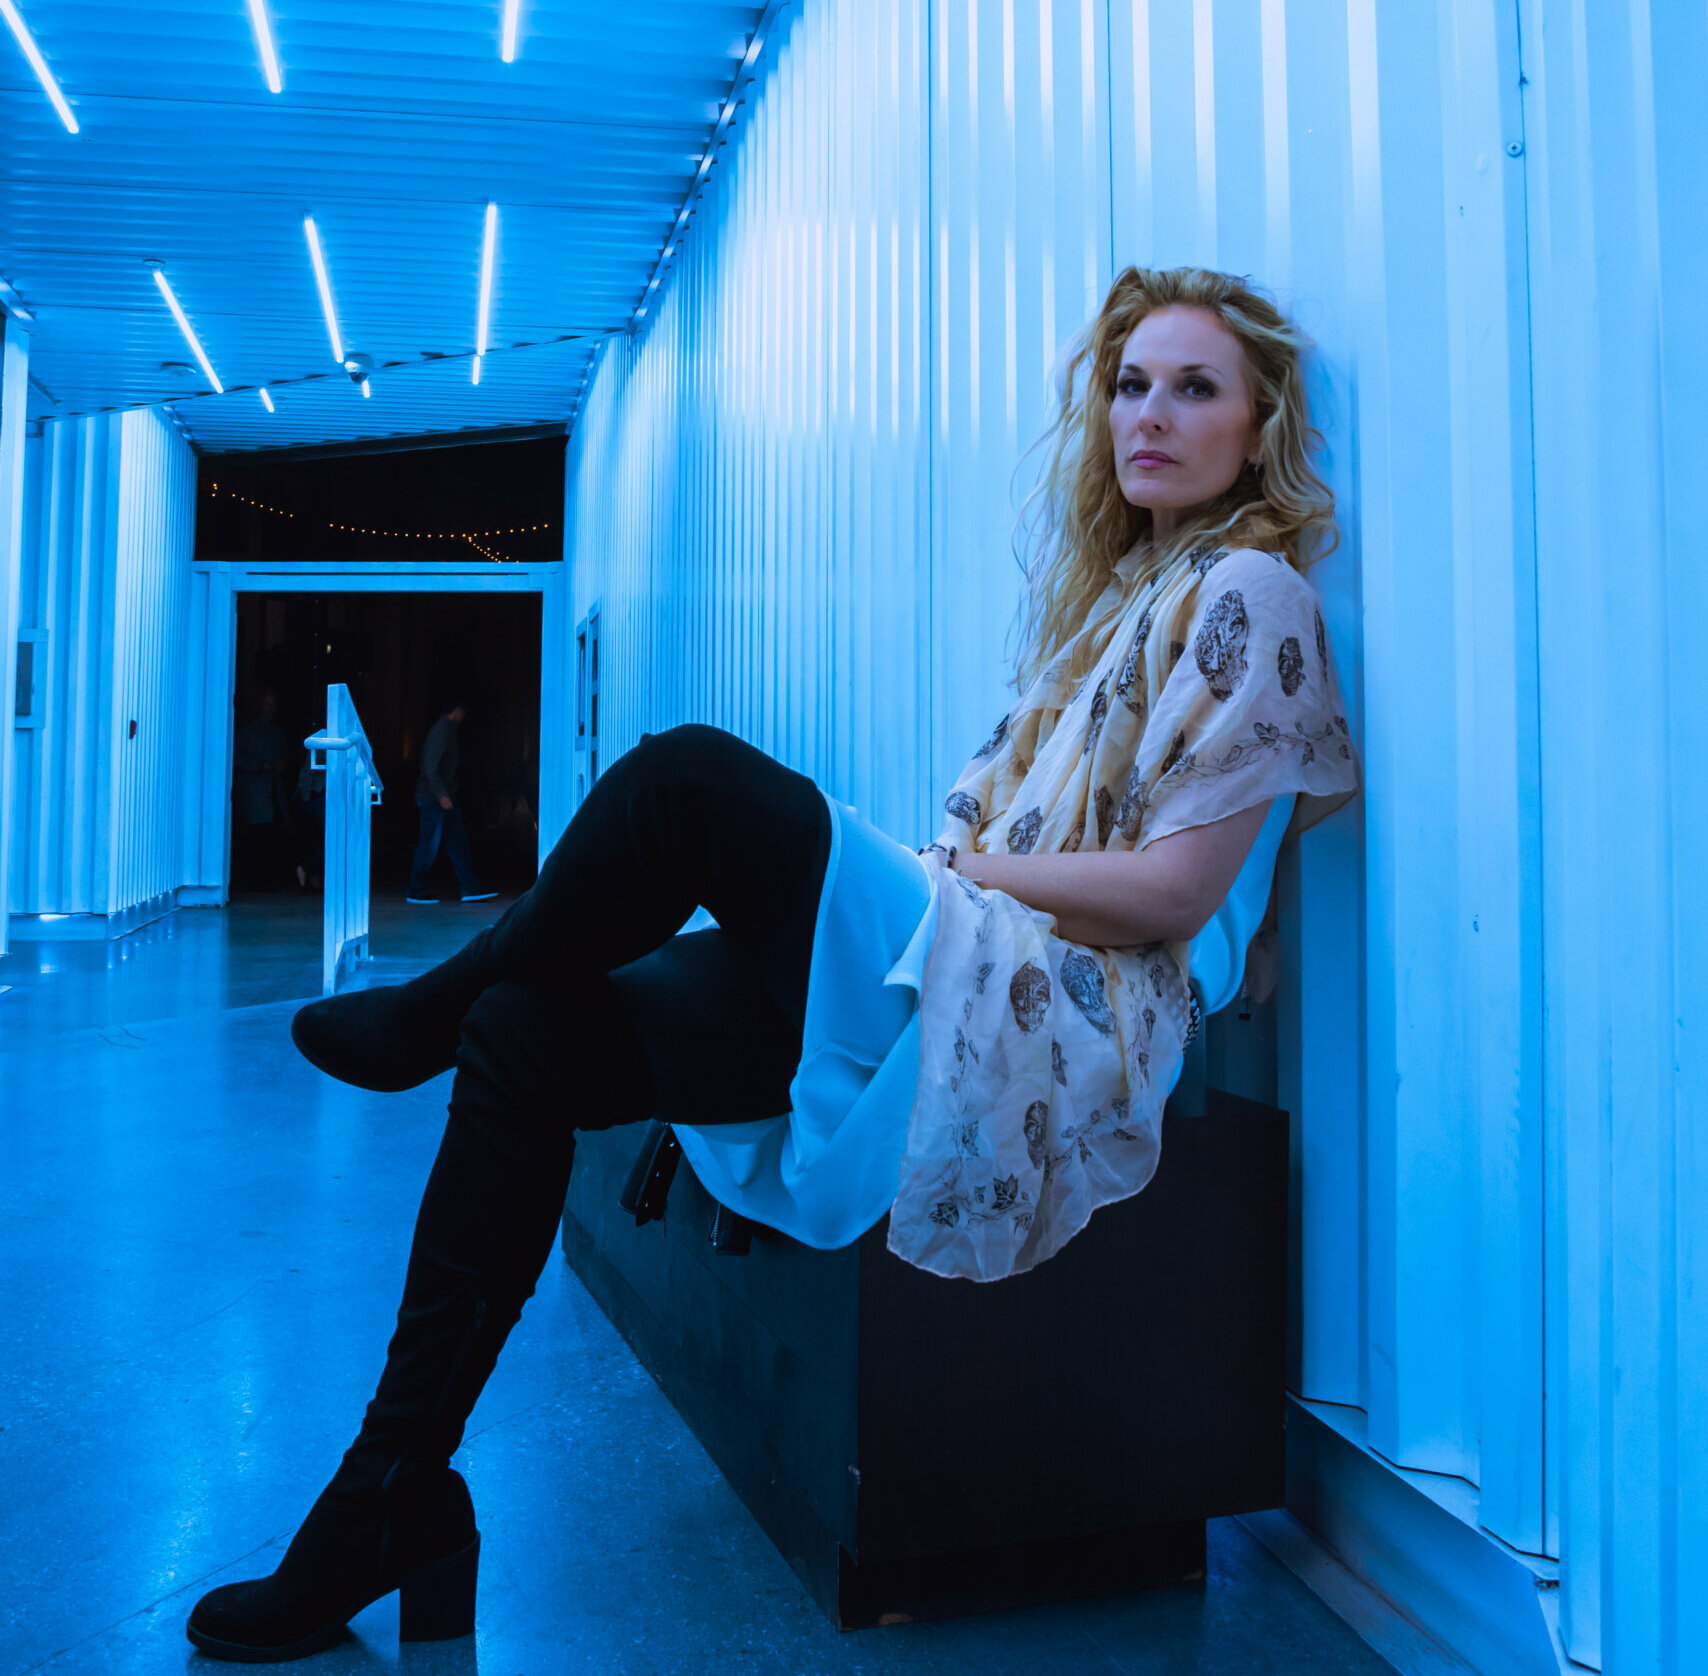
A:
436, 1603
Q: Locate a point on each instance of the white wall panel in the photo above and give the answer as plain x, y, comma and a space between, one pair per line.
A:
1618, 240
156, 537
793, 495
97, 811
1354, 160
747, 483
1020, 234
14, 373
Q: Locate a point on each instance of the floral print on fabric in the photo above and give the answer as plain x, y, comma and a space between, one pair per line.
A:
1044, 1064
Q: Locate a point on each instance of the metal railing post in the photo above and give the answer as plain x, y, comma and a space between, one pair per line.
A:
352, 789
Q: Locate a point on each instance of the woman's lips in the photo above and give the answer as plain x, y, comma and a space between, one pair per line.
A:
1152, 461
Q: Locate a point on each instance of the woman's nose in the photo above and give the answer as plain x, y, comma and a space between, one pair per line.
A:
1153, 408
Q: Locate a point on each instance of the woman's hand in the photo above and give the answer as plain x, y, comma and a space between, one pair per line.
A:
1164, 893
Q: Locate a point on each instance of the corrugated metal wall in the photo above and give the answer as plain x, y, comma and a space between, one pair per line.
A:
1618, 229
792, 498
156, 537
14, 375
97, 809
747, 484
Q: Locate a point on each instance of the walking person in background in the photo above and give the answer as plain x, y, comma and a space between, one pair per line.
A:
441, 819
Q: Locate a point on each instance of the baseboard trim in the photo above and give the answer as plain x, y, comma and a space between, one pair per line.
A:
91, 928
1379, 1622
1411, 1571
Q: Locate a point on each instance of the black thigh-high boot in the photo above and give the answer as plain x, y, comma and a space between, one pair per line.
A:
395, 1515
691, 817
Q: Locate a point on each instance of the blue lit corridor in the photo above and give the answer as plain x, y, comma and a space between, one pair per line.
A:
203, 1242
571, 373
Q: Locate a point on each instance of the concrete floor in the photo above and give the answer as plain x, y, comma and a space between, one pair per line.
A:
203, 1241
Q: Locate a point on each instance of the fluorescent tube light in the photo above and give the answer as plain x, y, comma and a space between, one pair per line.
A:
474, 370
264, 40
266, 400
484, 318
325, 285
39, 64
185, 327
366, 389
507, 51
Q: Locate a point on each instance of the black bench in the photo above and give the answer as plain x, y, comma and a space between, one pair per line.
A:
919, 1447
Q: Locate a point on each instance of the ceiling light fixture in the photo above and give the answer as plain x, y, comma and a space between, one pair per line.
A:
264, 40
39, 64
185, 327
325, 285
507, 50
474, 371
483, 317
266, 400
367, 389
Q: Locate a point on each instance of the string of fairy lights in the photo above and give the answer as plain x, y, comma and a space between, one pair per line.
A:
472, 537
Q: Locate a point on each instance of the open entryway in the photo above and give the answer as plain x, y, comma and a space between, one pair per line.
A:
425, 577
406, 658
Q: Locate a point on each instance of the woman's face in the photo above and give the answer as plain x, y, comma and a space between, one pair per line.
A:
1182, 420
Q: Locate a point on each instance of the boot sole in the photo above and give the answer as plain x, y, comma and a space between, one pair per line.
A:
238, 1653
435, 1603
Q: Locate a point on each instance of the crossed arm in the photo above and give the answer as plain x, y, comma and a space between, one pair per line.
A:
1165, 892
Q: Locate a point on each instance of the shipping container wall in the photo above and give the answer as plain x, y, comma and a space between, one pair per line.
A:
98, 781
747, 493
792, 498
1618, 242
14, 377
1356, 161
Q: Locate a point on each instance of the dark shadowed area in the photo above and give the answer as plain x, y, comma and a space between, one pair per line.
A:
492, 500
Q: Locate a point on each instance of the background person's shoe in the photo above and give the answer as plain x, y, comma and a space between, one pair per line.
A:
479, 895
422, 901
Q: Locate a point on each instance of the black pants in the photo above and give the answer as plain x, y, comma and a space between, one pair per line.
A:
597, 1014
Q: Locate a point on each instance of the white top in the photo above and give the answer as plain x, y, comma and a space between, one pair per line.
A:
828, 1169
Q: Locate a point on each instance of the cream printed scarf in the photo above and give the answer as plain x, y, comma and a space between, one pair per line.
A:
1045, 1064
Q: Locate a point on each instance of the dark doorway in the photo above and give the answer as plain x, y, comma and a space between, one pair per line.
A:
401, 655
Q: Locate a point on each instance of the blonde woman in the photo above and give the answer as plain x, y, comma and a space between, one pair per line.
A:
975, 1039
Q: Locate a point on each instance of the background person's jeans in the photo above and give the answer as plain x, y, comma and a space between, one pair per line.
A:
444, 825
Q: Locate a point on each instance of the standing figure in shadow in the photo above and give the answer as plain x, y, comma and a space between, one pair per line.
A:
975, 1039
258, 794
441, 818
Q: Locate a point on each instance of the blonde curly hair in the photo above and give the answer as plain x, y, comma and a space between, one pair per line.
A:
1077, 523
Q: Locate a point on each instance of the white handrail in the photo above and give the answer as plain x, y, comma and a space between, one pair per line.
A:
353, 787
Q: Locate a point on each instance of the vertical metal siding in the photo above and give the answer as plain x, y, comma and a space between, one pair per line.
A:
14, 375
97, 815
794, 493
747, 497
1356, 162
156, 536
1020, 230
1618, 241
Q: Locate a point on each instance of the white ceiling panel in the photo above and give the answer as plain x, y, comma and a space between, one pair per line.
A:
397, 124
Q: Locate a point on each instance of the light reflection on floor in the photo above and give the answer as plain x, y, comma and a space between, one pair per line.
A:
203, 1241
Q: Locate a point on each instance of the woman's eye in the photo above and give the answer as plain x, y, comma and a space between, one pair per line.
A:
1129, 387
1199, 387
